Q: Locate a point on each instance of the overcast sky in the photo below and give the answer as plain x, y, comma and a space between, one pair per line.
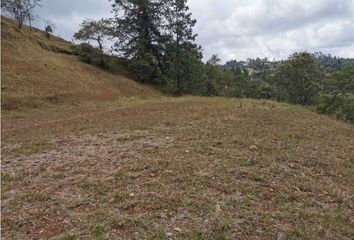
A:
240, 29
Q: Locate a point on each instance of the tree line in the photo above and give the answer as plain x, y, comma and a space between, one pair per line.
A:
322, 81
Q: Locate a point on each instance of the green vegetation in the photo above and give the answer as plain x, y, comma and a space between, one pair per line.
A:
337, 95
302, 79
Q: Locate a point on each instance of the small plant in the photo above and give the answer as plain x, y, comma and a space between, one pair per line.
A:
48, 30
100, 231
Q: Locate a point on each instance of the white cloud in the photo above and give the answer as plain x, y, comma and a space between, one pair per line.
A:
239, 29
275, 28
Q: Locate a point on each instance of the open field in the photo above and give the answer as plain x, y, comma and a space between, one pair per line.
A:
176, 168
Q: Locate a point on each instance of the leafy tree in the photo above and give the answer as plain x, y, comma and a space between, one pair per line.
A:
216, 78
337, 95
20, 10
95, 31
298, 79
214, 60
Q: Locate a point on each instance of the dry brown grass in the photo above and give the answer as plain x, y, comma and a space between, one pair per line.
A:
177, 168
33, 77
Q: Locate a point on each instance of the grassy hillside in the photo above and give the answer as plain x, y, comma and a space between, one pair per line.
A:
117, 160
37, 71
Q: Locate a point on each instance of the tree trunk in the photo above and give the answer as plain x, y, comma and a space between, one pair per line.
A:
100, 44
179, 88
30, 22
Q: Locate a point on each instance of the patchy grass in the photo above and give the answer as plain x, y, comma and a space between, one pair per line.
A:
176, 168
30, 148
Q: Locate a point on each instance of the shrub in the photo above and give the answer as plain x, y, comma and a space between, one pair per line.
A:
342, 106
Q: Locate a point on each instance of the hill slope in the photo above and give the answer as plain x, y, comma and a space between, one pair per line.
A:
160, 167
38, 71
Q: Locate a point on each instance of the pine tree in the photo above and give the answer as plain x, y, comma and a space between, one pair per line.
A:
158, 37
138, 25
181, 51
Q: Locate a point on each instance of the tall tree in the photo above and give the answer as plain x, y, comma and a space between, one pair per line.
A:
181, 51
137, 26
20, 10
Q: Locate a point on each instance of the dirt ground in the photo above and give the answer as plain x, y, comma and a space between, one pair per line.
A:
177, 168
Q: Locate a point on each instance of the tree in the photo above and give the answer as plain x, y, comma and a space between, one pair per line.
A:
214, 76
181, 54
137, 28
20, 10
298, 79
214, 60
337, 95
95, 31
48, 30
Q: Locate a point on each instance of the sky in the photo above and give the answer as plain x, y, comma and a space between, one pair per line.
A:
239, 29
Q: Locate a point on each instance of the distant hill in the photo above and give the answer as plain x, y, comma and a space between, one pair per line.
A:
37, 71
331, 63
328, 63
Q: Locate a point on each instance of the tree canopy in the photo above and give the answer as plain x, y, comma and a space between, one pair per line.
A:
95, 30
158, 37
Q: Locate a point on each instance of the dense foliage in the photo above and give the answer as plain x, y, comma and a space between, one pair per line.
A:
157, 37
337, 95
298, 79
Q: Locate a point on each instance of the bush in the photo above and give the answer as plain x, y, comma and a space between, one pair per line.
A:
147, 69
342, 107
266, 91
94, 56
89, 54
